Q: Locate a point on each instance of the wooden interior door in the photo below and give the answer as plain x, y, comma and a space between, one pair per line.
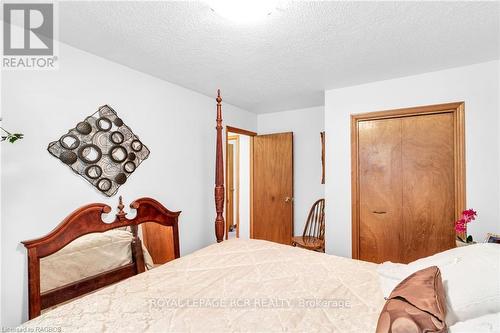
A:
272, 196
230, 189
380, 192
428, 177
158, 240
408, 182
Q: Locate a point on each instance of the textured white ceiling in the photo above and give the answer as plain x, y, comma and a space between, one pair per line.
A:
288, 59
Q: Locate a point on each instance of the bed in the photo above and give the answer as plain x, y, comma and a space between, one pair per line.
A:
237, 285
271, 282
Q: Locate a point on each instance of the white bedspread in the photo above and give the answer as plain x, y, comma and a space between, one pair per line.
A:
237, 285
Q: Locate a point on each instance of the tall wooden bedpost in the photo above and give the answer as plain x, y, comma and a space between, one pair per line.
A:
219, 175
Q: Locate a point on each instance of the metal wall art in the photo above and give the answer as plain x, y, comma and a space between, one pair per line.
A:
101, 149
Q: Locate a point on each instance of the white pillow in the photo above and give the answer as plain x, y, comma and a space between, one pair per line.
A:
489, 323
390, 275
471, 279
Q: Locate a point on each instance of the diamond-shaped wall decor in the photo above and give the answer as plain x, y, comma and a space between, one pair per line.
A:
101, 149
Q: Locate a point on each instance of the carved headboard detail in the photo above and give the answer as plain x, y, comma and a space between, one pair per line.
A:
86, 220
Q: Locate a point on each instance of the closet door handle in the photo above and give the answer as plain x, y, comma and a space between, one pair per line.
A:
378, 212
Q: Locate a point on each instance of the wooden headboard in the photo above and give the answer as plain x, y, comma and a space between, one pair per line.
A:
86, 220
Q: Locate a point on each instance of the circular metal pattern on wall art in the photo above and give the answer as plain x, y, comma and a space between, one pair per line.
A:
104, 124
93, 171
118, 122
102, 140
69, 141
104, 184
89, 153
118, 153
102, 149
129, 167
120, 178
136, 145
83, 127
117, 137
68, 157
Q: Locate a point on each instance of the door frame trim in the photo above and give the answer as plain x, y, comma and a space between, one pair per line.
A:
250, 134
458, 111
240, 131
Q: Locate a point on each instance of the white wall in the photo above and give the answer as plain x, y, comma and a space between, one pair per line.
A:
38, 191
477, 85
1, 186
306, 125
244, 186
1, 200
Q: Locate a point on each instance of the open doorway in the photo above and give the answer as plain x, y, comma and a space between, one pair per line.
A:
238, 182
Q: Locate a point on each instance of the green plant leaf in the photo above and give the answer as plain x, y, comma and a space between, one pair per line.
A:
14, 137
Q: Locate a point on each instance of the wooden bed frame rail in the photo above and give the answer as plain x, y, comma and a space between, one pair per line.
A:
86, 220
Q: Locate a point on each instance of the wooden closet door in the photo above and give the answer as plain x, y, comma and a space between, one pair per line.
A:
404, 208
380, 190
428, 185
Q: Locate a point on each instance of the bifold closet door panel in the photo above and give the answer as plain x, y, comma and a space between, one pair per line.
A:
428, 185
380, 189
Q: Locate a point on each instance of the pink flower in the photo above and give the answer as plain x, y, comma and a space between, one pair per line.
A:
467, 216
460, 225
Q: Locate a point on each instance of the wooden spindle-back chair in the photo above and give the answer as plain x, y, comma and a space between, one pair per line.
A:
313, 237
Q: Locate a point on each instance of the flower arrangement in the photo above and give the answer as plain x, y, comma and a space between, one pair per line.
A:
467, 216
